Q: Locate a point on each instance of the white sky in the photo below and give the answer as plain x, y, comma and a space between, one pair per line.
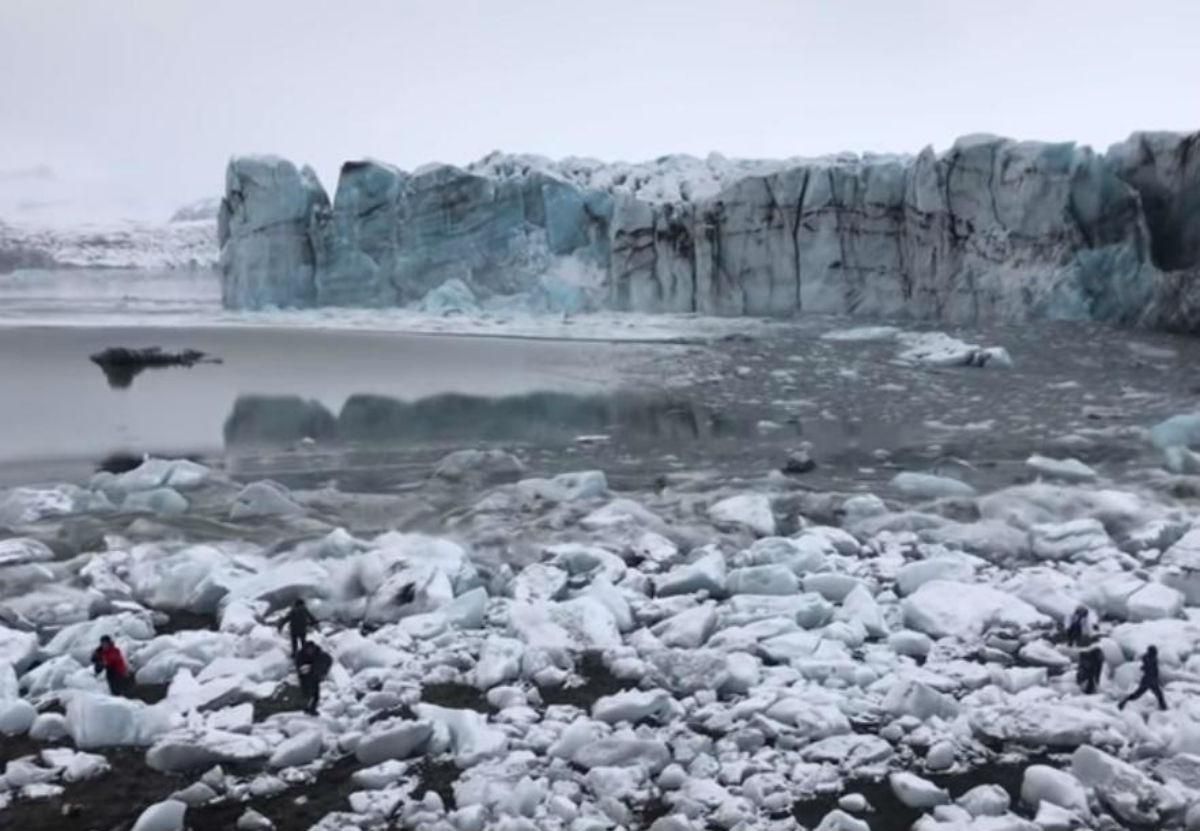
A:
148, 98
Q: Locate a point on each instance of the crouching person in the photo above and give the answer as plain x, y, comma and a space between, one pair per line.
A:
312, 665
108, 659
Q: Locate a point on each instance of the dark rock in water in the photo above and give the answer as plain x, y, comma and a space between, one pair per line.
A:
119, 463
121, 365
799, 462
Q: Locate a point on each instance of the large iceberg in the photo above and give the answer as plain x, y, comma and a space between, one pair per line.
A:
992, 229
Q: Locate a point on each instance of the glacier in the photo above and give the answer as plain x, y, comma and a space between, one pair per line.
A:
992, 230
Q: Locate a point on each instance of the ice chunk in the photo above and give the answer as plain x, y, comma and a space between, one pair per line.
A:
162, 816
1069, 470
165, 501
913, 698
623, 751
937, 349
48, 727
748, 510
1153, 601
860, 607
480, 467
1177, 431
252, 820
189, 750
471, 737
706, 574
985, 801
929, 486
1133, 795
908, 642
21, 550
943, 608
916, 792
1078, 539
103, 721
398, 741
632, 706
833, 587
16, 717
499, 661
688, 629
298, 750
17, 649
453, 297
911, 576
768, 579
1042, 783
263, 498
25, 506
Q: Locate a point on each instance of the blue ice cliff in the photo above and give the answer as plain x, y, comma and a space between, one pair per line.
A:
990, 230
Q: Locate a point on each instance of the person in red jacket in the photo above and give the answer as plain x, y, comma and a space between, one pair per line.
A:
108, 659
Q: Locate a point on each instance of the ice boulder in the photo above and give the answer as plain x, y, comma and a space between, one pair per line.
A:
482, 467
1134, 796
911, 576
985, 801
48, 727
95, 721
916, 792
300, 749
499, 661
768, 579
18, 551
1042, 783
930, 486
162, 816
688, 629
17, 649
16, 717
164, 501
1177, 431
453, 297
623, 750
400, 740
946, 608
25, 506
189, 750
632, 706
264, 498
1068, 470
468, 734
1154, 601
706, 574
748, 510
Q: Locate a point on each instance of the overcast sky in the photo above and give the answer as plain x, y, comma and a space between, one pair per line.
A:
150, 97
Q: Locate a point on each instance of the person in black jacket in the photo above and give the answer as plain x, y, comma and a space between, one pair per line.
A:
297, 621
1077, 632
1150, 681
1091, 665
312, 665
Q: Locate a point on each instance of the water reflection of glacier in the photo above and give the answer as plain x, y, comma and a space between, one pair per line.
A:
540, 417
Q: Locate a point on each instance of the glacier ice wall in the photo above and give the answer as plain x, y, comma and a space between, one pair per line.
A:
991, 230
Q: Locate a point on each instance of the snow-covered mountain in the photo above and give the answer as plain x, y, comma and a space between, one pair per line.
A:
992, 229
52, 220
125, 245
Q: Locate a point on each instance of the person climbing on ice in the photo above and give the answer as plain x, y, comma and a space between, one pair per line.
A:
1091, 665
312, 665
108, 659
1150, 681
1079, 629
297, 621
